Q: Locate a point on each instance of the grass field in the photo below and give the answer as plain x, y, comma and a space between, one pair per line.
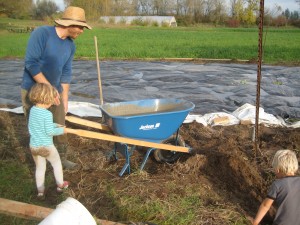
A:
280, 45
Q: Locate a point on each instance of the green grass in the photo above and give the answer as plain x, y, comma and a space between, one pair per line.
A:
178, 207
181, 210
19, 189
280, 46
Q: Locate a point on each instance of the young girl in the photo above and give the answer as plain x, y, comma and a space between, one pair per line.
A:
41, 130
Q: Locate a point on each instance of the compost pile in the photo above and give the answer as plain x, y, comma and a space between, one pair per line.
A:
225, 171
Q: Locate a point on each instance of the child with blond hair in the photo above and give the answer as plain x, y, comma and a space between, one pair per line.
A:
42, 129
284, 191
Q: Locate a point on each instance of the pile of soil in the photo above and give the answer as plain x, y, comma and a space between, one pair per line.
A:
224, 162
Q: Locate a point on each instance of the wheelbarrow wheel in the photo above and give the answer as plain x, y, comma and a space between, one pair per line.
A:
166, 155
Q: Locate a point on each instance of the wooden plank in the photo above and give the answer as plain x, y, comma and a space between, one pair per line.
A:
34, 212
23, 210
246, 122
113, 138
87, 123
221, 120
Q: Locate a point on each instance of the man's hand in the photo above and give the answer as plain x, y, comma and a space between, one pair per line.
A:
65, 95
66, 107
57, 98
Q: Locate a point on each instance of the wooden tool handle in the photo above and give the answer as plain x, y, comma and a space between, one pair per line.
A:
109, 137
87, 123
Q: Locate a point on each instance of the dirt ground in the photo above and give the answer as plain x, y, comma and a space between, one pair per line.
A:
224, 164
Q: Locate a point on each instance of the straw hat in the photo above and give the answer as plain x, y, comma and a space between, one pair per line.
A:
73, 16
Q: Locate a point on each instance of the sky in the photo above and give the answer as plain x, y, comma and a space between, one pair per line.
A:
285, 4
60, 4
290, 4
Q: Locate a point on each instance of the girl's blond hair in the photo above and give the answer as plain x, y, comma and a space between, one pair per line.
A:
285, 161
42, 93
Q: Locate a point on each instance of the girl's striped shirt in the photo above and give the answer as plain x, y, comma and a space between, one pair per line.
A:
41, 127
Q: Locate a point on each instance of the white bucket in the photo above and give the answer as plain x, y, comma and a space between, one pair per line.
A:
69, 212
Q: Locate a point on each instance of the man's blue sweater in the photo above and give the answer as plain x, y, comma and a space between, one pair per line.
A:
49, 54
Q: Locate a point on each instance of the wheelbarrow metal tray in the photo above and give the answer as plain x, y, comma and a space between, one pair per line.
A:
151, 119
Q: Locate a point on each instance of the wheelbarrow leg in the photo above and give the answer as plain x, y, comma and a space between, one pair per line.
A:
125, 167
123, 149
146, 157
126, 152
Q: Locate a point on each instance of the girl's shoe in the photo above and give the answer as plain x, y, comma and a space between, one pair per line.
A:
63, 187
41, 196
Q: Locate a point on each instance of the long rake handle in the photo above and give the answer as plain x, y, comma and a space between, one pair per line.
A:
98, 70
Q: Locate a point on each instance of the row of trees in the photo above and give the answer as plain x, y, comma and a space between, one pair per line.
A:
15, 9
25, 9
187, 12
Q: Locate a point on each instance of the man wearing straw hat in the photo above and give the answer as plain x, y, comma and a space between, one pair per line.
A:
48, 59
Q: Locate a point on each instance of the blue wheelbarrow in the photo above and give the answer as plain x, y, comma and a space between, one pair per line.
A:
151, 123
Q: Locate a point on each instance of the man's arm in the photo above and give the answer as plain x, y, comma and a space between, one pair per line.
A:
263, 209
40, 78
65, 95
